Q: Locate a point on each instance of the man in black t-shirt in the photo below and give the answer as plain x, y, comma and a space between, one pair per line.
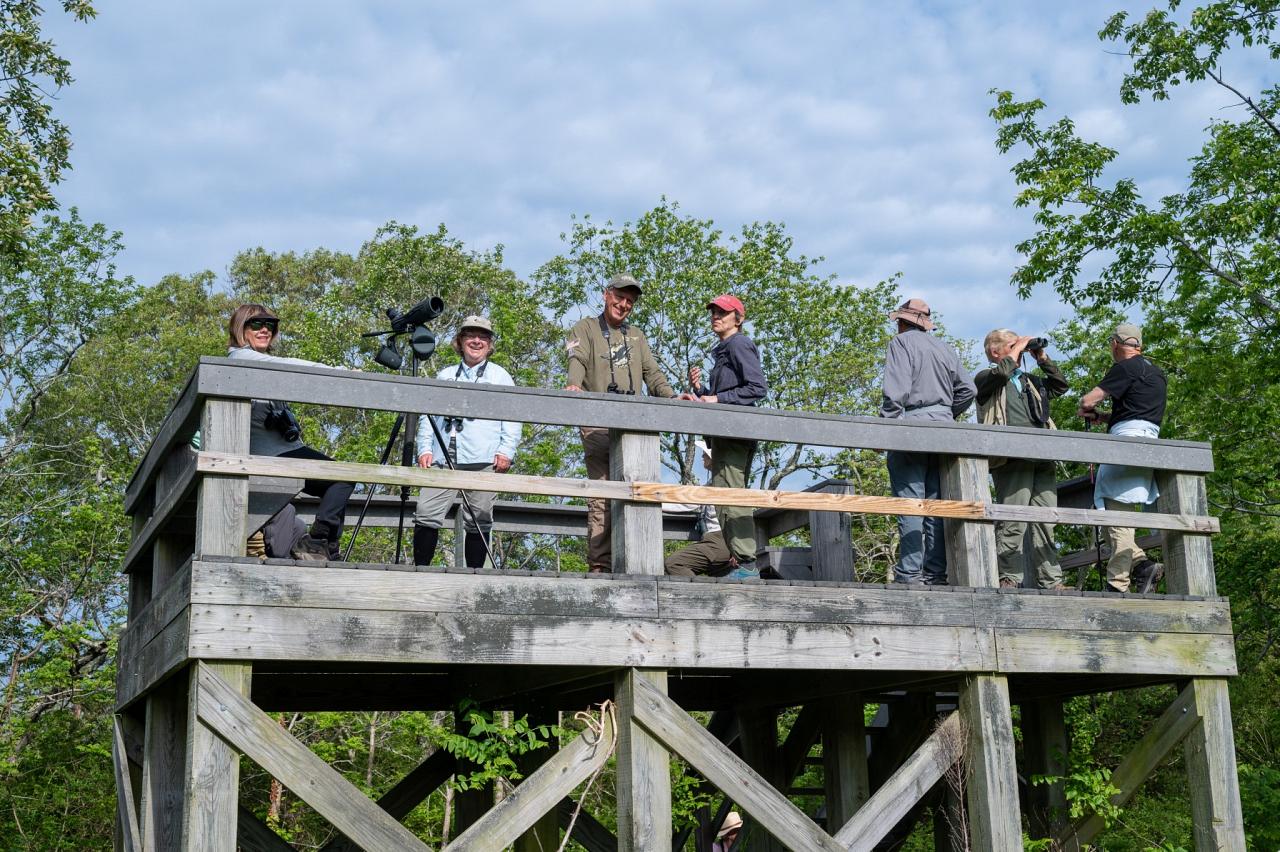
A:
1137, 389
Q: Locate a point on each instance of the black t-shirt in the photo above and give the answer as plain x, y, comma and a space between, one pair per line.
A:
1137, 388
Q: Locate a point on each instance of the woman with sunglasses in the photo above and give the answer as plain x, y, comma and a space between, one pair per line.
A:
251, 331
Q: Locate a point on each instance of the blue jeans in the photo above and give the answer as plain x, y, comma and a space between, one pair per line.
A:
922, 548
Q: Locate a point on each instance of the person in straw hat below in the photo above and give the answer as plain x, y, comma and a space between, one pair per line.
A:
728, 833
487, 445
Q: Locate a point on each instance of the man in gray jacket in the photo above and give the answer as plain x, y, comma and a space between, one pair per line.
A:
923, 380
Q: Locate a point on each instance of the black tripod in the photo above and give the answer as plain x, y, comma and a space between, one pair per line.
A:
409, 422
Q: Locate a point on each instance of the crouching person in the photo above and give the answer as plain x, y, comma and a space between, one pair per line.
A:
477, 445
709, 556
1008, 396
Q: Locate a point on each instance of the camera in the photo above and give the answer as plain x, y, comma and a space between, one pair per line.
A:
425, 311
1037, 343
613, 388
281, 419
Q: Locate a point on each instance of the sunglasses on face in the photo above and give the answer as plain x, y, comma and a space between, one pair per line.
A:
260, 324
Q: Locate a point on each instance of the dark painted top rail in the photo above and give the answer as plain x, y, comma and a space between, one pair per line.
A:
235, 379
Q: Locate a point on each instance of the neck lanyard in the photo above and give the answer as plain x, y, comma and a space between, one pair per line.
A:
613, 380
479, 375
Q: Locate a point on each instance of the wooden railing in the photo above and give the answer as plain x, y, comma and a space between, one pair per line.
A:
189, 596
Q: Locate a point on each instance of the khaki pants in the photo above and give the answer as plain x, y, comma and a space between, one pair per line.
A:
730, 461
1023, 548
595, 449
710, 556
1125, 552
433, 505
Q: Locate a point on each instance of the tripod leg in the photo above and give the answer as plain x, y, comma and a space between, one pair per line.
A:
466, 503
368, 497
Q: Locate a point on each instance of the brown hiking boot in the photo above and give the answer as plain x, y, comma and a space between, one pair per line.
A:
310, 549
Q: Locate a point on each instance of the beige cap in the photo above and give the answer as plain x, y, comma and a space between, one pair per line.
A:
475, 321
1128, 334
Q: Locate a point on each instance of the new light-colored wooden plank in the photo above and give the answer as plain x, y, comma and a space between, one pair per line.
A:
1116, 652
126, 807
643, 769
424, 592
212, 462
898, 795
223, 708
637, 528
538, 793
773, 811
1180, 719
992, 782
212, 786
283, 633
322, 386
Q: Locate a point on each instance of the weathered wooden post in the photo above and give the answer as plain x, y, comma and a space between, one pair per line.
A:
992, 776
1045, 747
1210, 748
212, 775
644, 778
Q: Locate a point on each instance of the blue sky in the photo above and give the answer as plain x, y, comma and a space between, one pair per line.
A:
202, 129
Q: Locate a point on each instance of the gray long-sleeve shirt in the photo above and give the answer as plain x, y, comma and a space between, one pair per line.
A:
264, 441
923, 378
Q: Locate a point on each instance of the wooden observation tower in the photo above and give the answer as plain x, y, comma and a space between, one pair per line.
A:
216, 641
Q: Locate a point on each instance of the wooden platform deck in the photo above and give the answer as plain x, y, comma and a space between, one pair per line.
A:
215, 639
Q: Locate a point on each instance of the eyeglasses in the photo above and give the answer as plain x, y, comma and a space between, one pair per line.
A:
260, 324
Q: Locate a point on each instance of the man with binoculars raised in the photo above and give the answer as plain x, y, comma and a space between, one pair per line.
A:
608, 355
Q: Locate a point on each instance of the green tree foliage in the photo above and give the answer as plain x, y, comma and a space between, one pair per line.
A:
35, 147
1200, 269
821, 343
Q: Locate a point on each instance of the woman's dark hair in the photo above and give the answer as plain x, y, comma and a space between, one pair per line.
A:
240, 316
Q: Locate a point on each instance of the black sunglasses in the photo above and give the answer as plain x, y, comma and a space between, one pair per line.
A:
259, 324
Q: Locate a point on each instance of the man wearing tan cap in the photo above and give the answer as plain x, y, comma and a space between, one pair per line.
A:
487, 445
923, 380
728, 833
608, 355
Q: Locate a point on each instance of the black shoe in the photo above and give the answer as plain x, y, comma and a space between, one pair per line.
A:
424, 544
310, 549
1145, 575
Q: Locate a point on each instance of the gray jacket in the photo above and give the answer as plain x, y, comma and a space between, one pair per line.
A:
264, 441
924, 379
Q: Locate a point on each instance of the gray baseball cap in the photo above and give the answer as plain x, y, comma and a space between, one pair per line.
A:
1128, 334
623, 281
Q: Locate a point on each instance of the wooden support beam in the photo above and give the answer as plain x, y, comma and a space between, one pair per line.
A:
1180, 719
844, 758
907, 786
544, 834
539, 793
254, 835
758, 736
992, 777
164, 765
644, 774
658, 492
637, 528
407, 794
971, 545
680, 733
1045, 749
126, 807
222, 707
1210, 749
831, 541
211, 788
586, 830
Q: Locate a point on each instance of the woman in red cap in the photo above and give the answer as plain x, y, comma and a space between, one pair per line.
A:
736, 379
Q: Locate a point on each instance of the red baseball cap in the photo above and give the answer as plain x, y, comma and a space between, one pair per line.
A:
726, 302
